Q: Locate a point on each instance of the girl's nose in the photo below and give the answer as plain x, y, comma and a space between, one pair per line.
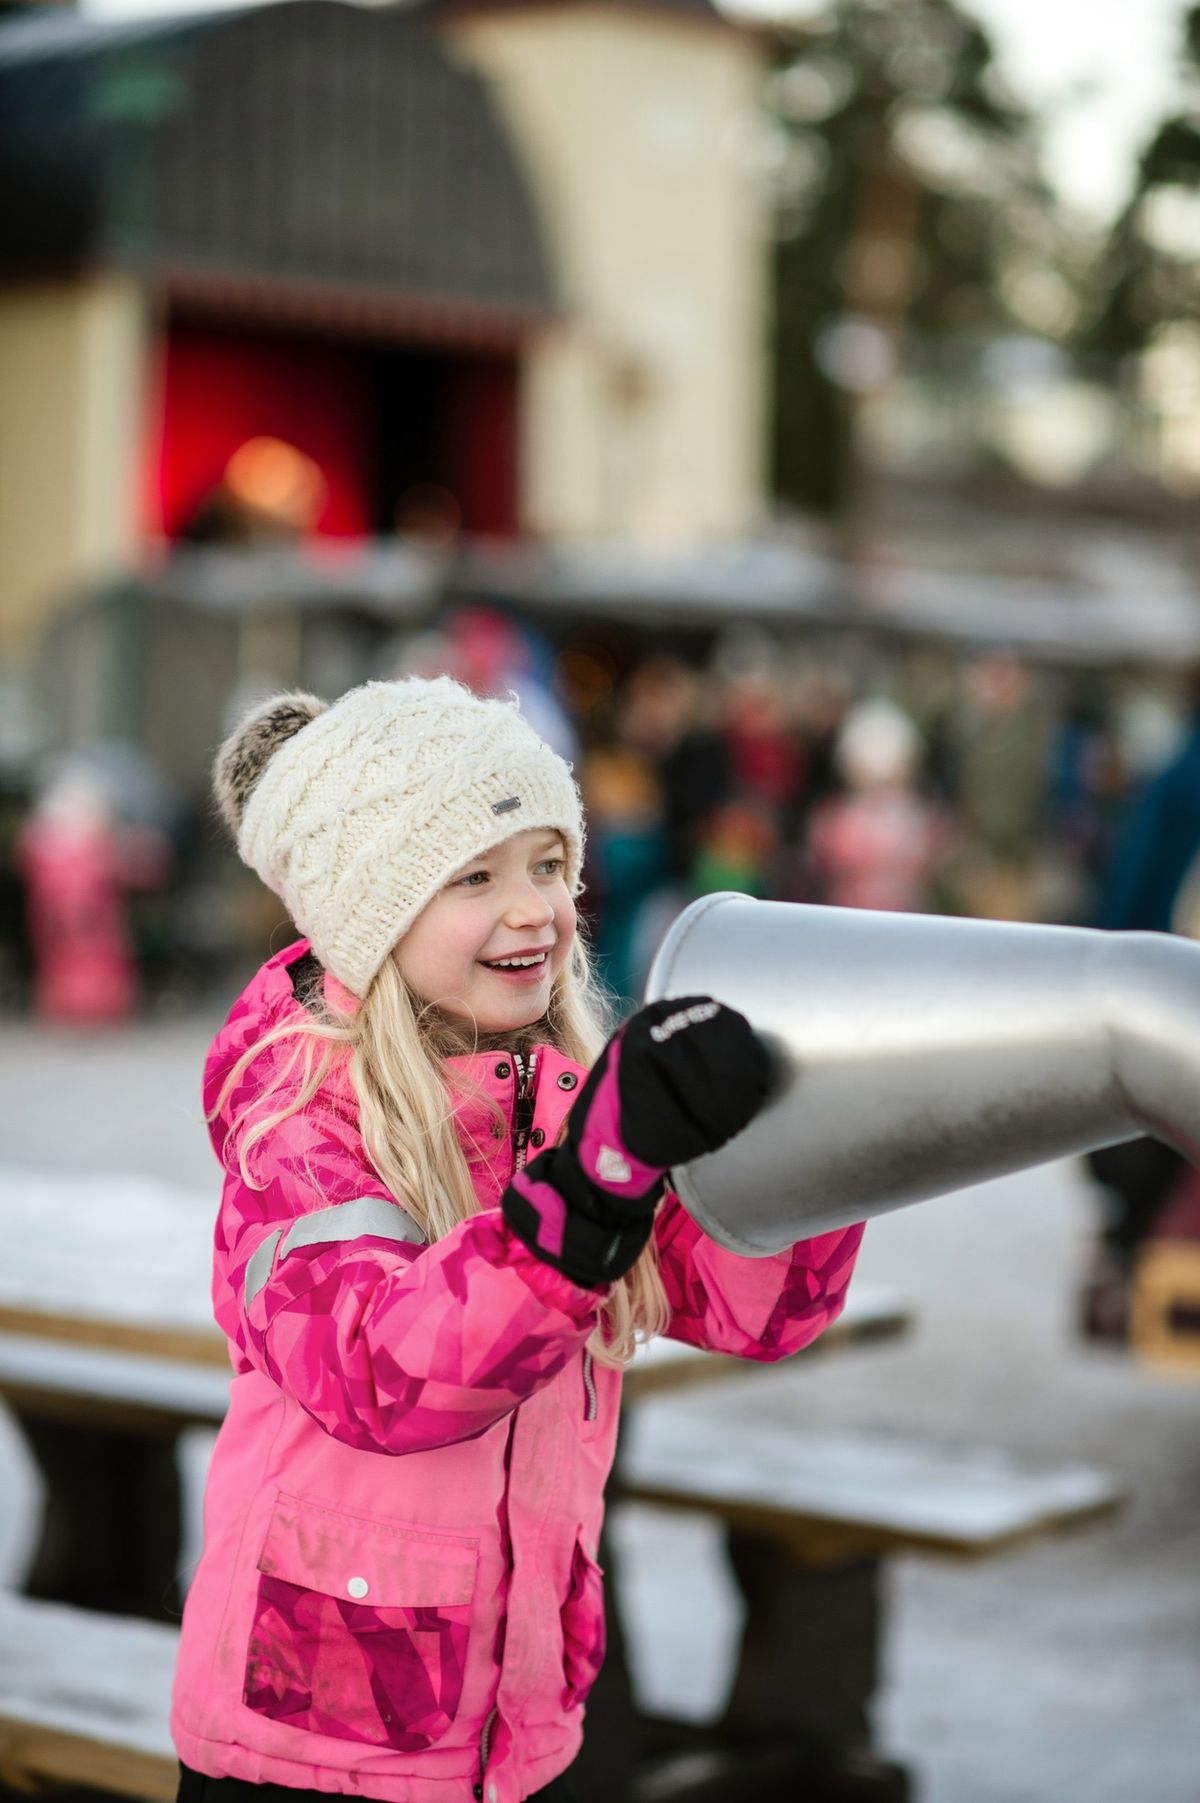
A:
528, 906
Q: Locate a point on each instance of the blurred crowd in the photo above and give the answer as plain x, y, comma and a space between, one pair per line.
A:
784, 768
909, 781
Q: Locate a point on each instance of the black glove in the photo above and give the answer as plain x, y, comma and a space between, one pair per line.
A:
678, 1079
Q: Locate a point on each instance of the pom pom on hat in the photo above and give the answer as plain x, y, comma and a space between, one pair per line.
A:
358, 812
245, 754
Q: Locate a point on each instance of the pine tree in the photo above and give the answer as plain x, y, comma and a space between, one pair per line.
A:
908, 178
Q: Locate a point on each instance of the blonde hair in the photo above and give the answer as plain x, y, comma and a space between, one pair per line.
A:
396, 1047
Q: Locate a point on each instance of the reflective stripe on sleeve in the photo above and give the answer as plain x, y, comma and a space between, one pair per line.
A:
367, 1217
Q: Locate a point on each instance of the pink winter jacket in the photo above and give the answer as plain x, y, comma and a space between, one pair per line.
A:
398, 1596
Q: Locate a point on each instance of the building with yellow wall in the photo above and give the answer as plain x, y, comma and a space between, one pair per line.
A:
510, 257
644, 410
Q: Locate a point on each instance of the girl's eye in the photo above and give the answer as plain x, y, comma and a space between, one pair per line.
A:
474, 879
550, 866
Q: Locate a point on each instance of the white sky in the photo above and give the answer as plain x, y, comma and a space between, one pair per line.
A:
1109, 67
1106, 68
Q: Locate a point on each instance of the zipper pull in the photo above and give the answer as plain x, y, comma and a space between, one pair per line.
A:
525, 1075
523, 1113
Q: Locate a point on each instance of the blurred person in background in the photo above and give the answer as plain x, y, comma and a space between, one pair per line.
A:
768, 763
78, 863
739, 851
270, 494
819, 699
1157, 841
1086, 789
1152, 884
666, 714
822, 699
626, 864
880, 843
495, 655
651, 784
764, 766
998, 771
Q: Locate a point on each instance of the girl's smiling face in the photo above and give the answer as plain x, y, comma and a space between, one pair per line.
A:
490, 944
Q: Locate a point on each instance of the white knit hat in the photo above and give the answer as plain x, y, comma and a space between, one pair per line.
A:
356, 814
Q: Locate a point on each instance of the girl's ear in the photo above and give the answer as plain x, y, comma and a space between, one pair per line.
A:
251, 745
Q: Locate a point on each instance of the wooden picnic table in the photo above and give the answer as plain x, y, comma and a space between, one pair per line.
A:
108, 1352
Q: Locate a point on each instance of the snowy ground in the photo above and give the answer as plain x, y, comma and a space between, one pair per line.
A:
1066, 1673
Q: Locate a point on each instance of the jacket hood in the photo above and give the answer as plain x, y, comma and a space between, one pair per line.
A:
274, 996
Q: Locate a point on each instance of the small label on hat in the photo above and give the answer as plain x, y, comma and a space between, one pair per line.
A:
506, 807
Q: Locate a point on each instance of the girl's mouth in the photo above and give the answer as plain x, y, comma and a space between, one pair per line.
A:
522, 967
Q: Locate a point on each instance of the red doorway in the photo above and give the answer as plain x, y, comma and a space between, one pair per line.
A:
387, 428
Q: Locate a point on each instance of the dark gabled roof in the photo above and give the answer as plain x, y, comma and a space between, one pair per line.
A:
309, 149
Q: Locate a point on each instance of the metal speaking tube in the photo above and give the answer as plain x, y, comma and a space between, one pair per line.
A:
921, 1053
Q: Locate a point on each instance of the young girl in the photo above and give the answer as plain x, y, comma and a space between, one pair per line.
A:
437, 1246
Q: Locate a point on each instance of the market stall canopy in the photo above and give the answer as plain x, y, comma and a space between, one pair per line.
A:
311, 160
779, 583
692, 12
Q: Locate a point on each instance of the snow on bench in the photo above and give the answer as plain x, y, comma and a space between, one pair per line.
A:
84, 1700
827, 1495
116, 1383
122, 1246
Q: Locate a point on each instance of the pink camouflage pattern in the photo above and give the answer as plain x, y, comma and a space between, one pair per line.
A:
434, 1645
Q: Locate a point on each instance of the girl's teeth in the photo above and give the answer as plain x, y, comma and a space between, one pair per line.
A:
518, 963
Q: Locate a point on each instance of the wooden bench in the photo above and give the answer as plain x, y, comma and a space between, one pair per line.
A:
810, 1517
84, 1701
70, 1381
102, 1425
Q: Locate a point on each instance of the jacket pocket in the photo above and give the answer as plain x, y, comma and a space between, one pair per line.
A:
582, 1626
360, 1626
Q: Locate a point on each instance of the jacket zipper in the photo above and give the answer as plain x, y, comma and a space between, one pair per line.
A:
522, 1124
523, 1113
485, 1748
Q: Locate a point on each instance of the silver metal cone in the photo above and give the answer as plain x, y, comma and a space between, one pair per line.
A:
920, 1053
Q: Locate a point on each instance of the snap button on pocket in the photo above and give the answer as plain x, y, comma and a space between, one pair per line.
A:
504, 1070
537, 1137
567, 1080
358, 1587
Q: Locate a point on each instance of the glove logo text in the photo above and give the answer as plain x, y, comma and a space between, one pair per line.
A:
687, 1017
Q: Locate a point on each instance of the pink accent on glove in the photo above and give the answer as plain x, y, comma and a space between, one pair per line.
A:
550, 1208
605, 1158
